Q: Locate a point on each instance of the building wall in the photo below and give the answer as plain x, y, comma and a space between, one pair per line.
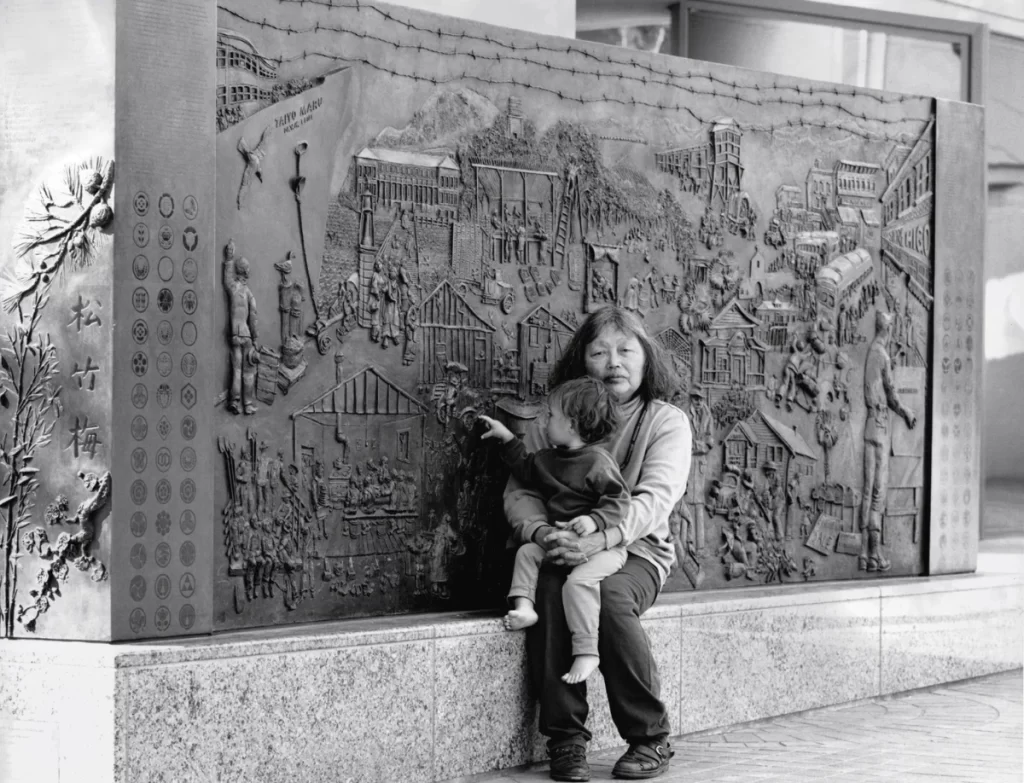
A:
1004, 263
796, 49
1004, 334
550, 17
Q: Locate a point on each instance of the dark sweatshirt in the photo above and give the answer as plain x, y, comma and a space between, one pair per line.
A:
573, 482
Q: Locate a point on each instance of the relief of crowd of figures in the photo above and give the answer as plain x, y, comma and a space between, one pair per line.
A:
467, 269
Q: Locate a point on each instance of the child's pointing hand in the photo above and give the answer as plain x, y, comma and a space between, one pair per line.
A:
495, 429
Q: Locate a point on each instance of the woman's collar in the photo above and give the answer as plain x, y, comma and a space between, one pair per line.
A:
632, 405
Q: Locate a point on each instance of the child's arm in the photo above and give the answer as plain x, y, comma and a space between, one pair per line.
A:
513, 451
524, 505
495, 429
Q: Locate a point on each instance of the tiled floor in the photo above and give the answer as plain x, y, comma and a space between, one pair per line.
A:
966, 731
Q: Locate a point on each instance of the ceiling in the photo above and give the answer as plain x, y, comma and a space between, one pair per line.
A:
1002, 16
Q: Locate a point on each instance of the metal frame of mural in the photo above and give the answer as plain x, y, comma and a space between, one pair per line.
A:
414, 214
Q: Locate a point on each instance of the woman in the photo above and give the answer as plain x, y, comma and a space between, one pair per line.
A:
652, 447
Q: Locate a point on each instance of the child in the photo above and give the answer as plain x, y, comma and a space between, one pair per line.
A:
583, 491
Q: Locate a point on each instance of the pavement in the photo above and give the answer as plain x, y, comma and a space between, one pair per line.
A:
968, 731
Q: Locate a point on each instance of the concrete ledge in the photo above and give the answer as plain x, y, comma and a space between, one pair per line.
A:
431, 697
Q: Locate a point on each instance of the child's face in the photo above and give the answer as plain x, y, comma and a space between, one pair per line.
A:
560, 429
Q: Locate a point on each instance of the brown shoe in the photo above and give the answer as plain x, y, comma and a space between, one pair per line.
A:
643, 760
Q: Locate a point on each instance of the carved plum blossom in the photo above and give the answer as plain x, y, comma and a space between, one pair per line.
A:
68, 549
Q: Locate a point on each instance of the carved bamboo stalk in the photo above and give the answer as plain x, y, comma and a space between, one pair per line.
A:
14, 508
11, 530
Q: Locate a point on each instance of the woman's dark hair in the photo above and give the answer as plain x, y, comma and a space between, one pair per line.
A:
588, 404
659, 380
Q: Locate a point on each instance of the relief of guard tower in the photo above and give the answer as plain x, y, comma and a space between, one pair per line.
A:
727, 169
713, 169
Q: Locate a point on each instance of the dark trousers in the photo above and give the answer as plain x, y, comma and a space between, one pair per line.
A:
627, 665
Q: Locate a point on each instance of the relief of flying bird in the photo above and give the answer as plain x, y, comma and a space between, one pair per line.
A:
252, 156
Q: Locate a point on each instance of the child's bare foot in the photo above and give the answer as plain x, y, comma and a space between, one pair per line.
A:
520, 618
582, 667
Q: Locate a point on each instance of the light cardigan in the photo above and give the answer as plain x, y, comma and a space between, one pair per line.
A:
655, 475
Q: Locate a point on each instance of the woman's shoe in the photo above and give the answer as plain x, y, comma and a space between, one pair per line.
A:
642, 761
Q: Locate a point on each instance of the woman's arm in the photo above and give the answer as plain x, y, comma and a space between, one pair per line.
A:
663, 475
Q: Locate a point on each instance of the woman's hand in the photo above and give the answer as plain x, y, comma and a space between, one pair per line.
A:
566, 548
543, 538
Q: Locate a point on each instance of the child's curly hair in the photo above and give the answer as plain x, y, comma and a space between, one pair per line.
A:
587, 403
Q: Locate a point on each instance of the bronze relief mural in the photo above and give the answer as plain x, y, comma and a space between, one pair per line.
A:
475, 199
412, 216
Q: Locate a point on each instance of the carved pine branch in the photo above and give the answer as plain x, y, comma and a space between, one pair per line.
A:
72, 239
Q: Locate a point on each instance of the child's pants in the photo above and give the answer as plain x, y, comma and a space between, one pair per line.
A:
581, 593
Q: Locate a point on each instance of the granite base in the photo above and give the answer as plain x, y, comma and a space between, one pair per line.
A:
431, 697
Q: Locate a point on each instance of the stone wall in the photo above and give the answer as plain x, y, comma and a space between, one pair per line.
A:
429, 699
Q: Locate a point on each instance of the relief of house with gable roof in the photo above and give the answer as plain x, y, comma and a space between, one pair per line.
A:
732, 356
761, 440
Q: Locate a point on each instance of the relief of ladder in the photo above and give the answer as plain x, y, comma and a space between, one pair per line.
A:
564, 219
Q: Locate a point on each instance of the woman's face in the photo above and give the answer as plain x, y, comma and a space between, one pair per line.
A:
616, 358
